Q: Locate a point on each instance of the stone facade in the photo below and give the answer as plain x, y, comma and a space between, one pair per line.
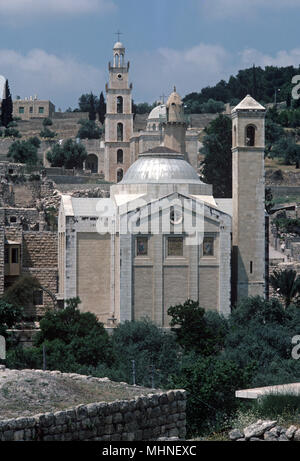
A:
32, 108
148, 417
248, 195
119, 117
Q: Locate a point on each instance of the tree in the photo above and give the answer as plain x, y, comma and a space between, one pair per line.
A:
46, 132
153, 350
287, 149
24, 151
92, 109
73, 341
286, 283
217, 164
274, 132
194, 331
12, 131
21, 293
101, 108
88, 130
70, 155
7, 107
9, 316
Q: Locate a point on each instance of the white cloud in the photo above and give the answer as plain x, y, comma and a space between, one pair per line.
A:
60, 79
226, 8
189, 70
30, 8
282, 58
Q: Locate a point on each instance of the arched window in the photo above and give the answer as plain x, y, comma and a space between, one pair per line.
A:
154, 127
250, 135
120, 132
119, 156
119, 175
119, 105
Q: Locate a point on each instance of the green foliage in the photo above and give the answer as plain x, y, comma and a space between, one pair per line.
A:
24, 151
284, 224
211, 383
259, 335
72, 339
11, 130
46, 133
287, 149
269, 203
196, 331
101, 108
9, 316
47, 122
89, 130
217, 164
260, 83
89, 103
71, 154
274, 405
273, 132
7, 107
21, 293
286, 283
149, 346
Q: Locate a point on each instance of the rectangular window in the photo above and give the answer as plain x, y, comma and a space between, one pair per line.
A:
38, 297
21, 110
14, 255
208, 246
31, 109
41, 110
142, 246
175, 246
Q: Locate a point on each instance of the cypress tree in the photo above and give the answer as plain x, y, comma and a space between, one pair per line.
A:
7, 107
101, 108
92, 110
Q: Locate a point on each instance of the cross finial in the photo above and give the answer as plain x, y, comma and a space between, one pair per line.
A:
118, 34
162, 97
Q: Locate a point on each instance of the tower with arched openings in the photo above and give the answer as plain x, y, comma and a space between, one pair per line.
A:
248, 199
119, 117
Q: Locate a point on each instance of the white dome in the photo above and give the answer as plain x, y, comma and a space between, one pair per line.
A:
157, 112
118, 46
161, 165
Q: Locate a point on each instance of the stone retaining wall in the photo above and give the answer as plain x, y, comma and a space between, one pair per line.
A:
146, 417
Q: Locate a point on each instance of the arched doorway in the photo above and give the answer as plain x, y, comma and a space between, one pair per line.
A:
91, 163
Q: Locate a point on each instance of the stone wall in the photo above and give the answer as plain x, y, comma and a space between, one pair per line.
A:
147, 417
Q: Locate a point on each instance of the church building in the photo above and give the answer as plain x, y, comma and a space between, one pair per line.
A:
162, 237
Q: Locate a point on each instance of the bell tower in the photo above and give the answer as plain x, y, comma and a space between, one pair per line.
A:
175, 127
248, 196
119, 117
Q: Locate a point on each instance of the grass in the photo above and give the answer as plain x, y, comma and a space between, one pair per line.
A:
286, 199
284, 408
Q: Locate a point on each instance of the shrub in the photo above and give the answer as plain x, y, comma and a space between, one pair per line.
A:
149, 346
196, 330
211, 383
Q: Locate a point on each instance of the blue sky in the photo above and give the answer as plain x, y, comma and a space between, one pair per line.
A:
59, 49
